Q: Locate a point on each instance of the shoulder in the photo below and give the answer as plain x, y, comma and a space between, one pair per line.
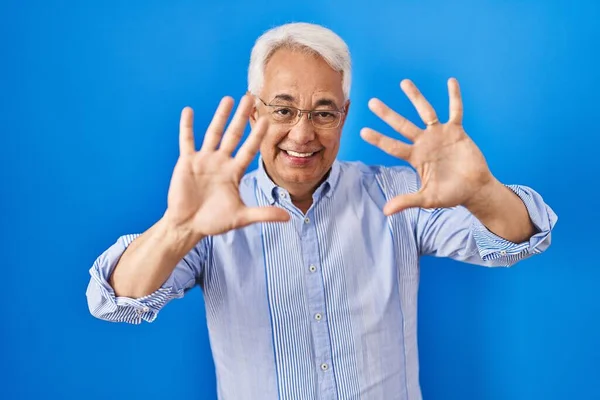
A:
391, 180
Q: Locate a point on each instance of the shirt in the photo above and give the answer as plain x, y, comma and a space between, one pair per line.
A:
323, 306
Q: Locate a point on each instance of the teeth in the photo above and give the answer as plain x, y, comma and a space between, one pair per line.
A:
293, 153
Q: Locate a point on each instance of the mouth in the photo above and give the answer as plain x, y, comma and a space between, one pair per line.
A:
300, 155
300, 159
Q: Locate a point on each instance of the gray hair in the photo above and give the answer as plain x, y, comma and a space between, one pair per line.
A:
300, 36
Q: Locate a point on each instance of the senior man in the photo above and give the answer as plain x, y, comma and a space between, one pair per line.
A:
309, 265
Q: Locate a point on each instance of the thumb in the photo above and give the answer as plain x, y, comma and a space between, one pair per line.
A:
400, 203
251, 215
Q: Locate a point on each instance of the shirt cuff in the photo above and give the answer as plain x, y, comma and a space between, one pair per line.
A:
493, 247
104, 304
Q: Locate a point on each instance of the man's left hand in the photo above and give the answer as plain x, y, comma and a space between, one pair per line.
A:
452, 169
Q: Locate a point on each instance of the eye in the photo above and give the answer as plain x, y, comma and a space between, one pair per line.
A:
324, 114
282, 111
324, 117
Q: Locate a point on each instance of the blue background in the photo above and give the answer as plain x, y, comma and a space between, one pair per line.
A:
90, 96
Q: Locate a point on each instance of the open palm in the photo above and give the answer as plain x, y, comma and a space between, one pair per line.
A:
451, 167
204, 193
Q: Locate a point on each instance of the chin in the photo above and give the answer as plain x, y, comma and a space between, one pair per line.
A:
298, 178
302, 177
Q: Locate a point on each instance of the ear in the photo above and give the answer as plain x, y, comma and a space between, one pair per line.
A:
254, 112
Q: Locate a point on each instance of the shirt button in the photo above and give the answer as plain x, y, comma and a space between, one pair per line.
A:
324, 367
503, 252
318, 317
312, 268
282, 195
306, 220
146, 309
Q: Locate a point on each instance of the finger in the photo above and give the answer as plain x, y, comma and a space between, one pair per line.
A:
235, 131
425, 110
456, 105
246, 153
391, 146
212, 137
186, 132
393, 119
403, 202
251, 215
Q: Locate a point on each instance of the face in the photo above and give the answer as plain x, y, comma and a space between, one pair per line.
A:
297, 157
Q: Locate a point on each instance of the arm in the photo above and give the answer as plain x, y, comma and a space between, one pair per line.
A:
150, 259
463, 211
503, 211
457, 233
139, 274
134, 279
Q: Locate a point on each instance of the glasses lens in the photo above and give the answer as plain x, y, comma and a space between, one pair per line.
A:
326, 119
283, 115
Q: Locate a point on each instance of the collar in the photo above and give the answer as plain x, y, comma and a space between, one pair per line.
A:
272, 191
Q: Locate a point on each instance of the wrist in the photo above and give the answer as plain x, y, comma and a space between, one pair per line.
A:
486, 197
178, 238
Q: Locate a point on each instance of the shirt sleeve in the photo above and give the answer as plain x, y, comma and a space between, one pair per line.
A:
103, 303
456, 233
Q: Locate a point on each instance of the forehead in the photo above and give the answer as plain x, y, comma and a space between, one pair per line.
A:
304, 76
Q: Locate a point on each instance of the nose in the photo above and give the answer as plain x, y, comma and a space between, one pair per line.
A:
303, 132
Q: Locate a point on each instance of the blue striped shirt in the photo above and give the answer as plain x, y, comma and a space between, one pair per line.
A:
323, 306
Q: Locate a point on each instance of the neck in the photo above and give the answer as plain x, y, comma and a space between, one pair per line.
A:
301, 194
302, 199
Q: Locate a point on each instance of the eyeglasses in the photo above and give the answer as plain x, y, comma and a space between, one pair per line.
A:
287, 115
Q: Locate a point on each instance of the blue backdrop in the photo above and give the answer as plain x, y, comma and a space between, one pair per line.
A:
90, 96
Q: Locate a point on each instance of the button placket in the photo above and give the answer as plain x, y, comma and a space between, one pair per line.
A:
316, 297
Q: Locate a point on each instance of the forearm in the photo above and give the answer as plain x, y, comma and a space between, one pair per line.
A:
502, 212
150, 259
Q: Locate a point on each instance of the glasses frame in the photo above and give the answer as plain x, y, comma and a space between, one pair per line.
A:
308, 113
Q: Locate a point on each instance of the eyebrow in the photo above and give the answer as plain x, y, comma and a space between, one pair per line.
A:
284, 97
291, 99
326, 102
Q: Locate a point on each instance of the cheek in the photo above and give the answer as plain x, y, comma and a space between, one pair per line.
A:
268, 145
331, 141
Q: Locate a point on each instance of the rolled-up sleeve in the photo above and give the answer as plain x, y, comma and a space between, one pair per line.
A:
101, 298
492, 247
457, 234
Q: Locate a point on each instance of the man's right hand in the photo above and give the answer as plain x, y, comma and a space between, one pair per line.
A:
204, 197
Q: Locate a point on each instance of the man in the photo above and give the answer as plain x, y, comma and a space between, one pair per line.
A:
309, 266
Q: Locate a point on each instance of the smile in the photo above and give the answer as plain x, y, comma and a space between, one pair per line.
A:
296, 154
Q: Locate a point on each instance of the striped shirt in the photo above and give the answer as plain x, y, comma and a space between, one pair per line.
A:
323, 306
